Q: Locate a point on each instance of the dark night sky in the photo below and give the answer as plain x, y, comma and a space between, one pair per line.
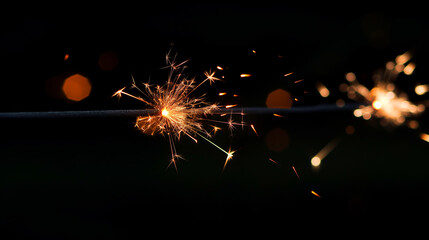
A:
73, 178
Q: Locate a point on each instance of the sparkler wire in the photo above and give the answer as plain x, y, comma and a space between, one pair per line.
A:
139, 112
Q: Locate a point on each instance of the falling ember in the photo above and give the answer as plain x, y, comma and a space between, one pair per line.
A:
219, 67
66, 57
296, 173
244, 75
222, 93
253, 128
315, 194
176, 112
287, 74
277, 115
273, 161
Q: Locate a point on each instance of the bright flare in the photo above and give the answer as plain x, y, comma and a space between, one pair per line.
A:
176, 112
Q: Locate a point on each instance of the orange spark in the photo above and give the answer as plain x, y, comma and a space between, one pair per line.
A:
277, 115
273, 161
222, 93
230, 106
219, 67
253, 127
296, 173
243, 75
66, 56
287, 74
315, 194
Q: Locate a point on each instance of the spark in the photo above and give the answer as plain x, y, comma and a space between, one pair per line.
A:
219, 67
273, 161
287, 74
222, 93
315, 194
176, 111
386, 102
253, 127
277, 115
296, 173
230, 106
230, 154
244, 75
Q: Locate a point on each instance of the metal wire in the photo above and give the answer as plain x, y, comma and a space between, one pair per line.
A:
139, 112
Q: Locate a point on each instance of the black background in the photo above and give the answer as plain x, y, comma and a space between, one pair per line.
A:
101, 178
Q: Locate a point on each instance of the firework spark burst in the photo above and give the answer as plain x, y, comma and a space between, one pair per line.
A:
385, 100
175, 111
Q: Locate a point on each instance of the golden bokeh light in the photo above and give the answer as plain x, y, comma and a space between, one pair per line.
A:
279, 99
76, 87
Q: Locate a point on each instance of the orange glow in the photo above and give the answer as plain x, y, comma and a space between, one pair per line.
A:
350, 129
277, 139
421, 89
279, 99
76, 87
351, 77
403, 58
287, 74
108, 61
222, 93
219, 67
66, 57
424, 137
409, 69
243, 75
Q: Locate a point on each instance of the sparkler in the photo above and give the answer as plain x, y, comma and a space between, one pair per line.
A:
176, 111
384, 100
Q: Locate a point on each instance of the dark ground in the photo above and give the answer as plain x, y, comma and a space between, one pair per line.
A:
101, 178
